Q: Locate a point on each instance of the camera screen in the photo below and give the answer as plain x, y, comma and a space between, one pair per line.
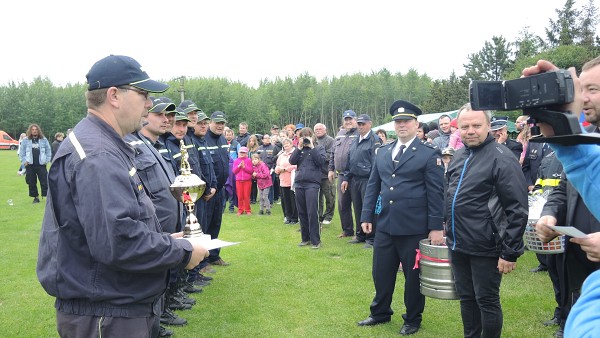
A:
486, 95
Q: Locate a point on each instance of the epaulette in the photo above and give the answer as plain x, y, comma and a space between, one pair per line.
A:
427, 144
381, 146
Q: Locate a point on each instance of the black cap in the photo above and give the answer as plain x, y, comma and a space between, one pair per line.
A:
158, 106
189, 106
119, 70
218, 116
498, 122
404, 110
362, 118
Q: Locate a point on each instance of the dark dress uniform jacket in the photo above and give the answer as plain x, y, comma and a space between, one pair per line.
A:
412, 191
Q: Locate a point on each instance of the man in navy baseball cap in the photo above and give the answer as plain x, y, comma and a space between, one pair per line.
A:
119, 70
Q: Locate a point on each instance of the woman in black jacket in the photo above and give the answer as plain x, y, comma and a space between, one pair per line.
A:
310, 160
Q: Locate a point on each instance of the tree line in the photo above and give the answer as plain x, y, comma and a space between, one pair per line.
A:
569, 41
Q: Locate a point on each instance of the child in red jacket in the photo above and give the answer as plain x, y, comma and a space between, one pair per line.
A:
242, 168
263, 182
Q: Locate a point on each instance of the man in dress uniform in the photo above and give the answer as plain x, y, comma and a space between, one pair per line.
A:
499, 129
408, 178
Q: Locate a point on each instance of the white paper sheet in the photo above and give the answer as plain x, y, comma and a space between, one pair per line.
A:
217, 243
569, 231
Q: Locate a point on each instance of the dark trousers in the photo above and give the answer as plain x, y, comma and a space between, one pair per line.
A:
75, 326
555, 264
276, 190
477, 281
32, 175
327, 199
345, 208
307, 202
288, 202
358, 186
388, 252
214, 217
542, 260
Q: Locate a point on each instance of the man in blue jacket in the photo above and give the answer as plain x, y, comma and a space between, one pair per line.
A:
102, 252
406, 190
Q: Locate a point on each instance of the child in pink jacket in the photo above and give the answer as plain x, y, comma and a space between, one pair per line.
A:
263, 182
242, 168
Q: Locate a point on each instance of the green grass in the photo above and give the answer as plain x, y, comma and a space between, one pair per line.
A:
272, 287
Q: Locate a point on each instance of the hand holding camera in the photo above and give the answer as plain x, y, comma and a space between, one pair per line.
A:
307, 143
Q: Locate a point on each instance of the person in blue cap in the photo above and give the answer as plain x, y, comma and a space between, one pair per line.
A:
337, 165
499, 129
406, 191
102, 252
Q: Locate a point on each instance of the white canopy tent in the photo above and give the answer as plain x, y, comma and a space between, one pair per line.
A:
425, 118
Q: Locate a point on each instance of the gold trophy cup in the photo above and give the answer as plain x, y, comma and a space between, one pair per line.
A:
187, 188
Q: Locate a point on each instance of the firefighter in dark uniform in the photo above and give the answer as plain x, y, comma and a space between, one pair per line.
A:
219, 150
499, 129
156, 176
406, 190
358, 169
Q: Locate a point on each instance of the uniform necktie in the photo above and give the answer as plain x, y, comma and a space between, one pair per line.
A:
400, 152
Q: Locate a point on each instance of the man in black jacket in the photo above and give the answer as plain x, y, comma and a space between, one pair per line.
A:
486, 213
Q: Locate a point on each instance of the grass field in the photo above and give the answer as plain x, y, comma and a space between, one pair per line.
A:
271, 289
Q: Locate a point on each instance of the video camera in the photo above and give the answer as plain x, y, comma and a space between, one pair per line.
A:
538, 96
306, 141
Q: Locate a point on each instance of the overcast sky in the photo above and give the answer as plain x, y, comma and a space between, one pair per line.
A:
255, 39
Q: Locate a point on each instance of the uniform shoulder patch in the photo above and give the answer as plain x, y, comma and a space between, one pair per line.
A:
427, 144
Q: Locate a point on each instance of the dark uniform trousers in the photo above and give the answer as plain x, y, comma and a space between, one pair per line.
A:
389, 252
214, 217
345, 208
358, 186
70, 325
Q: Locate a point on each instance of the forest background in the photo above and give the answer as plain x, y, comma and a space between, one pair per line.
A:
570, 40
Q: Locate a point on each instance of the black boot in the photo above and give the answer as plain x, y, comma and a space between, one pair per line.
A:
169, 317
173, 301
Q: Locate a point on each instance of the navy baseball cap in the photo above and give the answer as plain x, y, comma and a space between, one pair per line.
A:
158, 106
404, 110
218, 116
188, 106
349, 113
498, 122
362, 118
119, 70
